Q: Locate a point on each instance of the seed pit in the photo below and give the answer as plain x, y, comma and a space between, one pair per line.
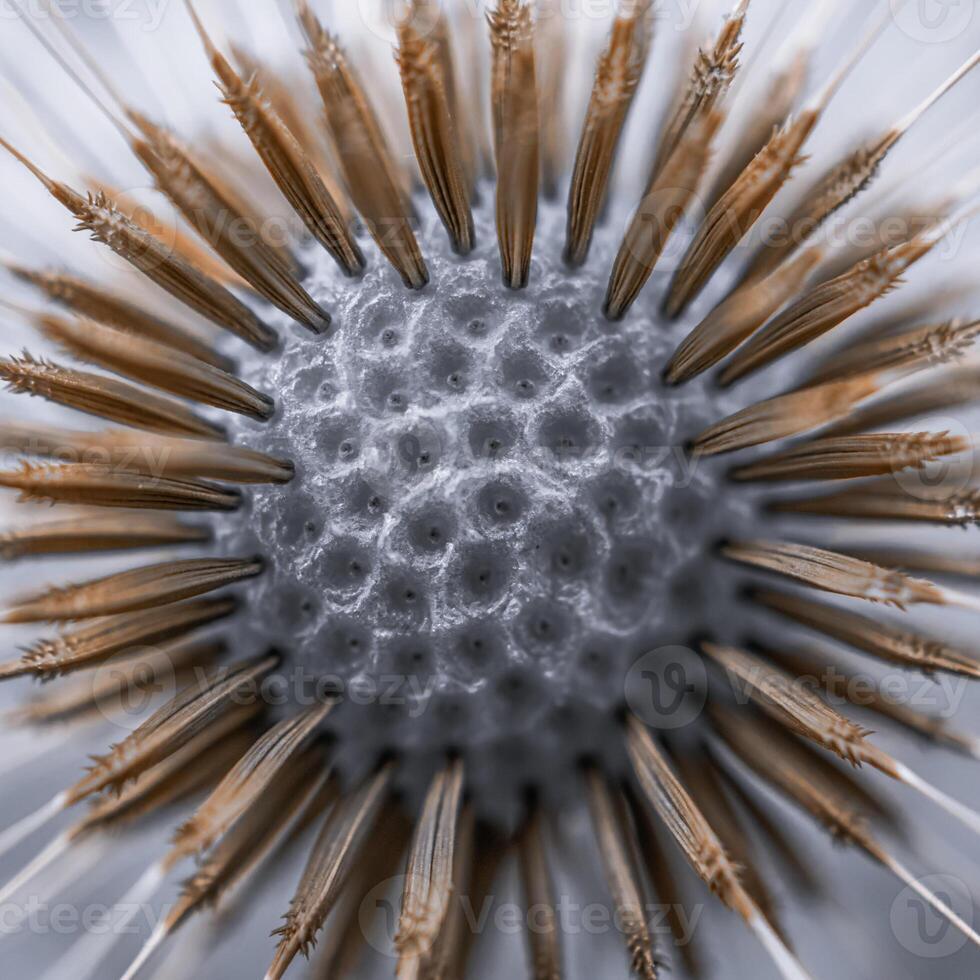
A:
614, 380
485, 571
402, 600
345, 566
568, 434
563, 549
502, 504
363, 501
523, 372
641, 441
480, 650
615, 496
342, 642
628, 570
543, 625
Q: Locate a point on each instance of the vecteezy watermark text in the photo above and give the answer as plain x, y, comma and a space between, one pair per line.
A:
148, 14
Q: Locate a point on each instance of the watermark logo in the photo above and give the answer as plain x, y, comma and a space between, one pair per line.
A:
382, 17
945, 476
667, 688
124, 691
655, 236
148, 14
921, 929
933, 21
380, 912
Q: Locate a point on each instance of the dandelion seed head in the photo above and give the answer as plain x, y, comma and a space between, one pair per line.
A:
488, 471
494, 510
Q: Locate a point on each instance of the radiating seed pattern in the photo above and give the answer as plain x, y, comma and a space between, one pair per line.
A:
425, 494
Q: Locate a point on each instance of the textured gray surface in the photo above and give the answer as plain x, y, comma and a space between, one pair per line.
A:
494, 513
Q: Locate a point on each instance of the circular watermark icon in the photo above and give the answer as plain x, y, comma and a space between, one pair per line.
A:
945, 476
921, 929
933, 21
667, 688
125, 690
382, 17
656, 232
379, 913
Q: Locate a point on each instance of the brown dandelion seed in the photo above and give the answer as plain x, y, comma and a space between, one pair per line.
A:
742, 205
94, 643
798, 775
682, 160
363, 151
786, 415
799, 709
926, 346
123, 450
951, 389
839, 574
106, 398
158, 366
263, 827
666, 883
281, 92
739, 316
711, 77
552, 43
90, 484
854, 457
845, 181
828, 305
447, 957
131, 673
700, 776
247, 781
701, 846
875, 637
95, 303
132, 591
216, 212
342, 947
284, 158
699, 842
544, 941
738, 209
437, 143
771, 113
617, 77
96, 533
885, 501
429, 874
249, 844
610, 831
215, 703
660, 211
198, 764
516, 135
171, 235
336, 851
839, 683
772, 830
170, 782
236, 236
152, 257
454, 46
919, 560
